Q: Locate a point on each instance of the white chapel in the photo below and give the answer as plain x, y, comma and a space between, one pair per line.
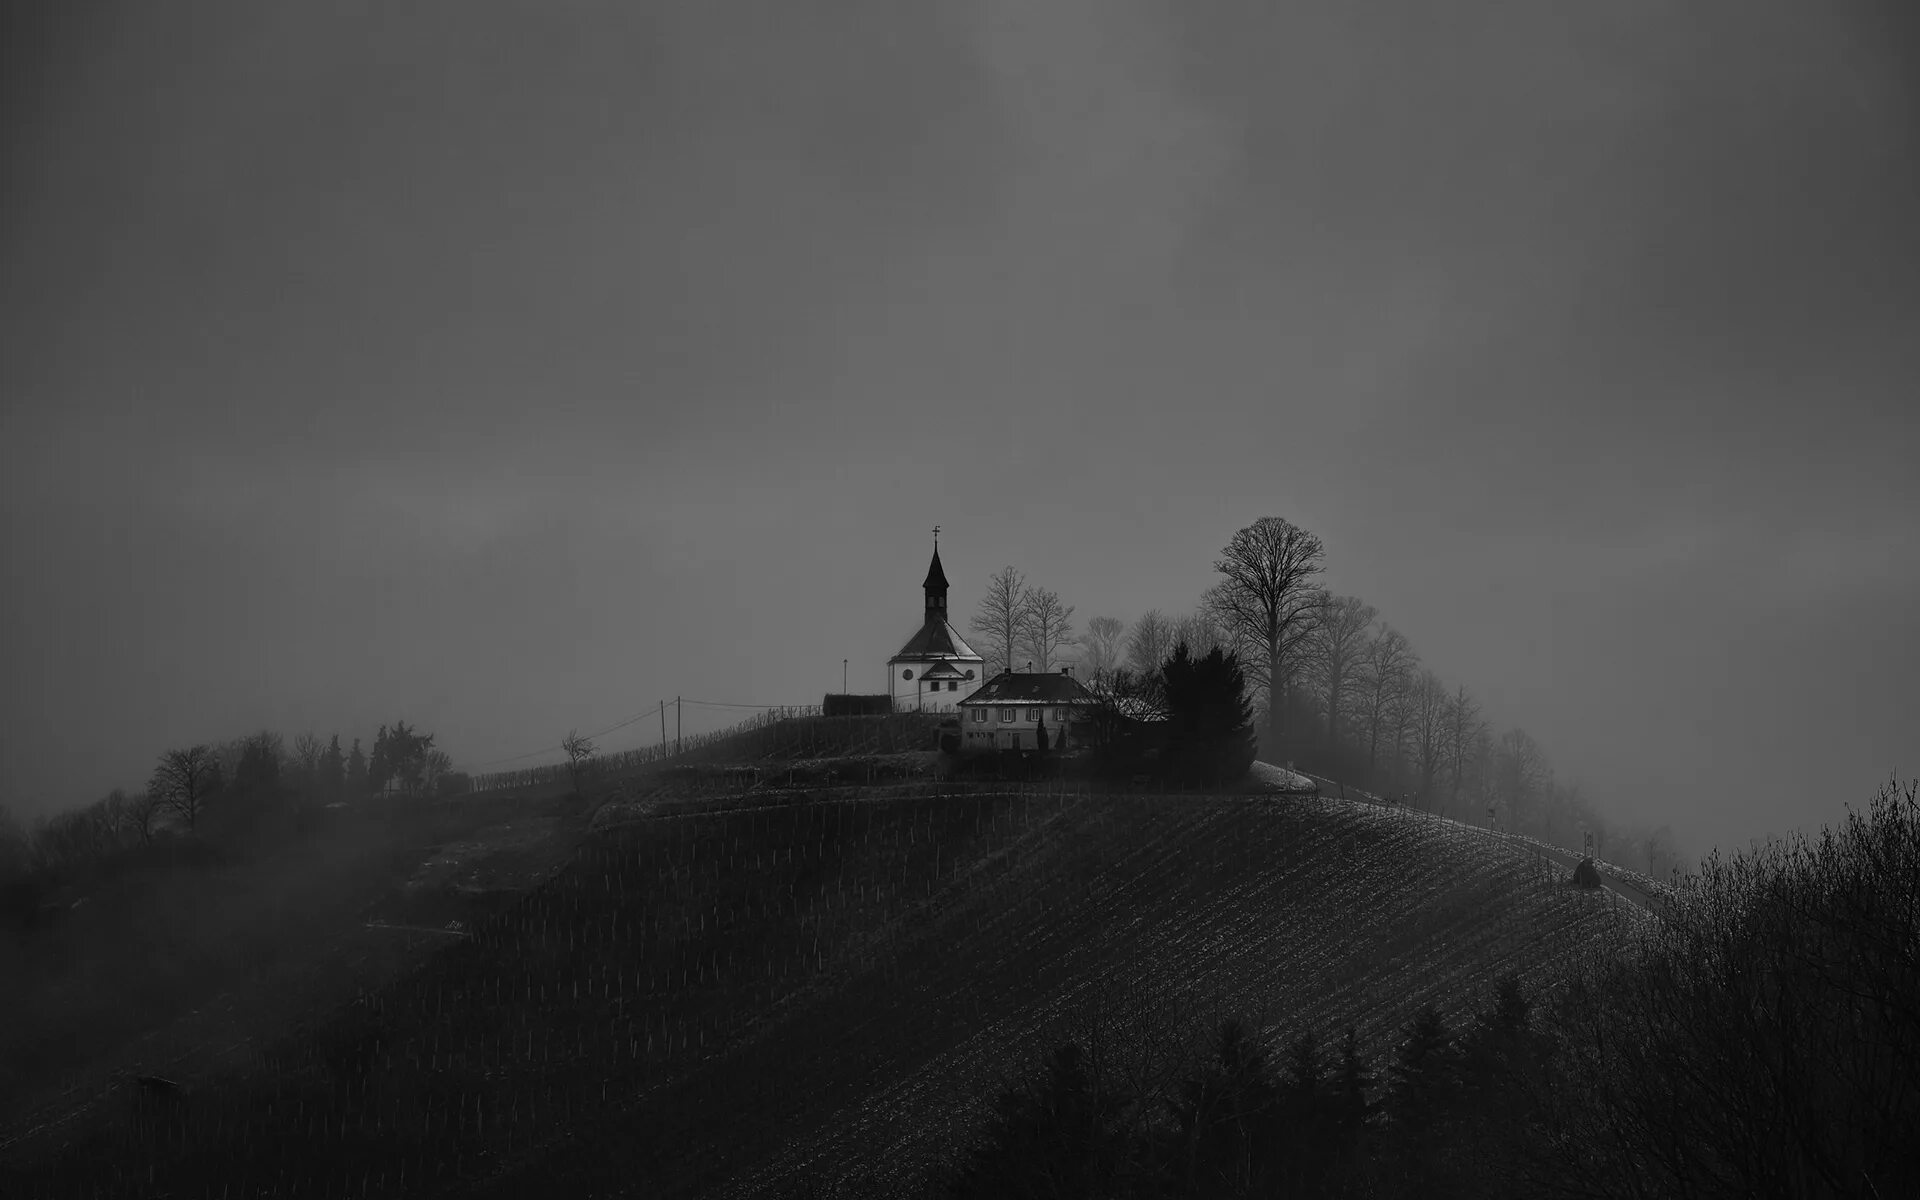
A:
936, 669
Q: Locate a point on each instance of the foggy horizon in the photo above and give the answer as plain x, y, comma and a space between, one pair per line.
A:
507, 370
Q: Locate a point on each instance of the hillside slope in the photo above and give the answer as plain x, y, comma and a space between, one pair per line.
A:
728, 1002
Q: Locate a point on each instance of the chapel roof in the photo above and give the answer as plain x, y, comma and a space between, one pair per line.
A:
936, 639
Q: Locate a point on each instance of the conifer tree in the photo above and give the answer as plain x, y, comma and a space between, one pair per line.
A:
1209, 721
332, 771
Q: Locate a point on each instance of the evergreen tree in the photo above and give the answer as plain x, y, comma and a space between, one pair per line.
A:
257, 777
1230, 1120
410, 758
332, 771
358, 772
1310, 1105
1423, 1069
379, 766
1353, 1105
1210, 734
1052, 1137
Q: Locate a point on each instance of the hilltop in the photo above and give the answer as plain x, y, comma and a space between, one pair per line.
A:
831, 981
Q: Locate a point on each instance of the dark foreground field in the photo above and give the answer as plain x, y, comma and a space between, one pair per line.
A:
828, 993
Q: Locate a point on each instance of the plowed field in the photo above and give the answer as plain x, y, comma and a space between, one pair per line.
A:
731, 1002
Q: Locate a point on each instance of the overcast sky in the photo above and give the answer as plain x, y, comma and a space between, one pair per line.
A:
507, 368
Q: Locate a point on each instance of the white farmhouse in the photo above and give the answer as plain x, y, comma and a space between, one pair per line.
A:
1009, 711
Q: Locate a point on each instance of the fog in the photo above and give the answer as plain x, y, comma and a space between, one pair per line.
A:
510, 368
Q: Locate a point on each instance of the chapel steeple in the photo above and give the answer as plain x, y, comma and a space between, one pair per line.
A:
936, 583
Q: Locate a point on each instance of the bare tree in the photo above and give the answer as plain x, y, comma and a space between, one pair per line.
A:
1334, 651
304, 762
1429, 728
1267, 601
1150, 643
435, 765
1102, 644
1386, 663
142, 814
1463, 728
1122, 700
1202, 634
1520, 775
1049, 626
579, 750
1004, 614
306, 753
185, 780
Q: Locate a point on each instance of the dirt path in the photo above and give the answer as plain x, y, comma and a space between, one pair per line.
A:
1628, 890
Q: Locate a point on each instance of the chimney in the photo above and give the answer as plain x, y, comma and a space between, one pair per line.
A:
1066, 670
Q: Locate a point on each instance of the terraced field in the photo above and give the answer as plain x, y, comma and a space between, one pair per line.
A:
831, 989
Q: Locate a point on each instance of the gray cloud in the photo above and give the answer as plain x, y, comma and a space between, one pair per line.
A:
506, 368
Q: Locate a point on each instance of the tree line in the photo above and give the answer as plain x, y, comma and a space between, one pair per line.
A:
228, 789
1761, 1039
1336, 690
1317, 1118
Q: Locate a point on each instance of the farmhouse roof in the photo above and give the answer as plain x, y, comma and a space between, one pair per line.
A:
1033, 687
936, 639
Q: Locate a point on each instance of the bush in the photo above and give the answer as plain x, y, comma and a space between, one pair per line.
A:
1764, 1039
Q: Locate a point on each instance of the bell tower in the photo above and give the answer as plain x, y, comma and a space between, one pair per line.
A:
936, 584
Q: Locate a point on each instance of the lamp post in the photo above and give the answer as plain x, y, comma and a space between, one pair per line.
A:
843, 677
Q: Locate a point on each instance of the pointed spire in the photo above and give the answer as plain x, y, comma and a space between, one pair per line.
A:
935, 584
936, 577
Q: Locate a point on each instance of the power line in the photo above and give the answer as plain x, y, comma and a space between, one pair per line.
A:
557, 748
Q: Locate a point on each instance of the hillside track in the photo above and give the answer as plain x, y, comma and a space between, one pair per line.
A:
1637, 889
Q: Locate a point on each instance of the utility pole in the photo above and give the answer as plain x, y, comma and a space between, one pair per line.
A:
843, 677
676, 724
663, 727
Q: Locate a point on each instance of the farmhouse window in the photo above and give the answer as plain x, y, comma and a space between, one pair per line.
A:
979, 715
1006, 716
1033, 714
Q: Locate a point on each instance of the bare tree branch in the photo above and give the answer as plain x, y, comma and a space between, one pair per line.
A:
579, 750
1102, 644
1003, 616
1049, 626
1386, 666
1150, 643
1333, 653
185, 780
